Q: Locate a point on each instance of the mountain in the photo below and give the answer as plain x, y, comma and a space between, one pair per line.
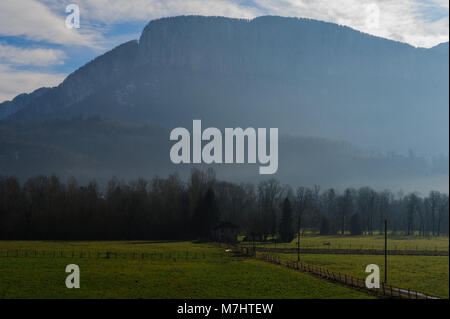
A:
304, 76
19, 102
347, 105
441, 49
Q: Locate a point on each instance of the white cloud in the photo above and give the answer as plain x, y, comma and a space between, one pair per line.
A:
440, 3
400, 20
35, 21
114, 11
14, 82
30, 56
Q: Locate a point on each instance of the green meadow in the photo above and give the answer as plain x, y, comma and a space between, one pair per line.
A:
36, 269
427, 274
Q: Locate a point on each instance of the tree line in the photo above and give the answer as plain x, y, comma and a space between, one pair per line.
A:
44, 207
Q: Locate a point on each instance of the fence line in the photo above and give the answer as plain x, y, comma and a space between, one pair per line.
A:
355, 251
348, 280
104, 254
385, 290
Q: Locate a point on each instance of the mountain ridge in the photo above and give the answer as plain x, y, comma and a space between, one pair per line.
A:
303, 67
166, 20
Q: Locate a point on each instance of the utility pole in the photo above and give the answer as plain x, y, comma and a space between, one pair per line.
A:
385, 251
254, 248
298, 240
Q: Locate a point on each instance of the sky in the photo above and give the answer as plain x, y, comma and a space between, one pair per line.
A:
37, 48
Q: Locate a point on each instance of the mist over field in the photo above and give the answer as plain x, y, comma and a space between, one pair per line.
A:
352, 109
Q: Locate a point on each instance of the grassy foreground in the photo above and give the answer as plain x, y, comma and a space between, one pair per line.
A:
169, 270
427, 274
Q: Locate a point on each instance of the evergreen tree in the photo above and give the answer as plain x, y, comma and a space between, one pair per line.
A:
286, 229
355, 225
206, 215
325, 226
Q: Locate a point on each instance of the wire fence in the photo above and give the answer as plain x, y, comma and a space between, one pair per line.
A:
355, 251
92, 254
394, 247
345, 279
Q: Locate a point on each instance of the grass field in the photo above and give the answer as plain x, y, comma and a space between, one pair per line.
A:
427, 274
169, 270
397, 242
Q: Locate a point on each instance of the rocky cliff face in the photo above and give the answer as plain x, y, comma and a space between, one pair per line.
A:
304, 76
274, 45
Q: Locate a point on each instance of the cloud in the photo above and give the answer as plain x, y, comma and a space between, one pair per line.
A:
440, 3
35, 21
14, 82
400, 20
116, 11
30, 56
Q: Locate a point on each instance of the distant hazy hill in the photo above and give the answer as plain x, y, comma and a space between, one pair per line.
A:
95, 148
